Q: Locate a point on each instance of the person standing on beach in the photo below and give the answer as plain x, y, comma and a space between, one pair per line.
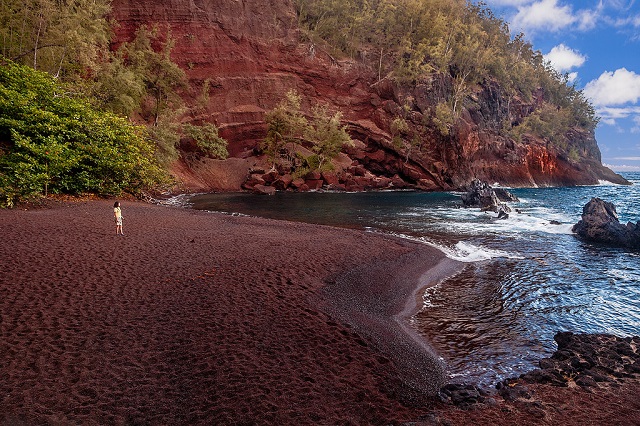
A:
117, 214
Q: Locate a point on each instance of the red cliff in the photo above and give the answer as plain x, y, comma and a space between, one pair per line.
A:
252, 52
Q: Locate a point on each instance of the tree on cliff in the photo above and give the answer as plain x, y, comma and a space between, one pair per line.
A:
327, 137
285, 126
208, 140
148, 56
63, 38
288, 127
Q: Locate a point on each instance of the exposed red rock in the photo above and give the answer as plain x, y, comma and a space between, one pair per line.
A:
252, 52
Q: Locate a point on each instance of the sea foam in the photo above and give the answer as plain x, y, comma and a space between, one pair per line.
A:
465, 252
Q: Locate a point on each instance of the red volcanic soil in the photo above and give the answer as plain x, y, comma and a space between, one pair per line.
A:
201, 318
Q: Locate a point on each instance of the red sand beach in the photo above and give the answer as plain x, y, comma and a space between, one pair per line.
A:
193, 317
200, 318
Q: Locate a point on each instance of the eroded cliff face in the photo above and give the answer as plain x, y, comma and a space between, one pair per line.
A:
252, 52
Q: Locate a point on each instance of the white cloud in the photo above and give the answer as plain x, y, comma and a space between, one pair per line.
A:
626, 21
627, 158
611, 115
543, 15
512, 3
573, 76
534, 16
614, 88
588, 19
563, 58
619, 112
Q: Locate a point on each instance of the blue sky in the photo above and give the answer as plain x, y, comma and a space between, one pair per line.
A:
598, 43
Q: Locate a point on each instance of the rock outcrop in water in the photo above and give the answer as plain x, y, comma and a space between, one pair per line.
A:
485, 197
250, 53
600, 223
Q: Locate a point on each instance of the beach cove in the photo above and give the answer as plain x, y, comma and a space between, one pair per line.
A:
192, 318
201, 318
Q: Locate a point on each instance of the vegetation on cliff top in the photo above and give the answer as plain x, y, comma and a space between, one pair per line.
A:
414, 41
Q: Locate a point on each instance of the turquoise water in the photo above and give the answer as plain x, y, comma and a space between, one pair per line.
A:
525, 279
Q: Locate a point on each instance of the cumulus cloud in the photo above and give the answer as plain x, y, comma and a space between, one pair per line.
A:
533, 16
614, 88
543, 15
563, 58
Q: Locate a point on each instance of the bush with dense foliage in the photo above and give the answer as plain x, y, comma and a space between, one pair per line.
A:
285, 126
208, 139
53, 142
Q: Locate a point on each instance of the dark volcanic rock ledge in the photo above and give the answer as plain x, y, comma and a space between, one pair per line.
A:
589, 360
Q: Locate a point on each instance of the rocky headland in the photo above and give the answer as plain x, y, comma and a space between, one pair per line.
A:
251, 53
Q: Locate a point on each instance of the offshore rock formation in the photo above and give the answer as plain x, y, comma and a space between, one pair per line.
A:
600, 223
251, 52
485, 197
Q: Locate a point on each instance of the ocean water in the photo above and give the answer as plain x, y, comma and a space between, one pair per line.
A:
525, 278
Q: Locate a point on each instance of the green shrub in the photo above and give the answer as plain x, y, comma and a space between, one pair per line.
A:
444, 118
285, 125
327, 137
166, 137
54, 143
208, 140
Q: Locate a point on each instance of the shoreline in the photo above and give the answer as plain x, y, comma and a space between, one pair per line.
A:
196, 317
377, 300
412, 288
